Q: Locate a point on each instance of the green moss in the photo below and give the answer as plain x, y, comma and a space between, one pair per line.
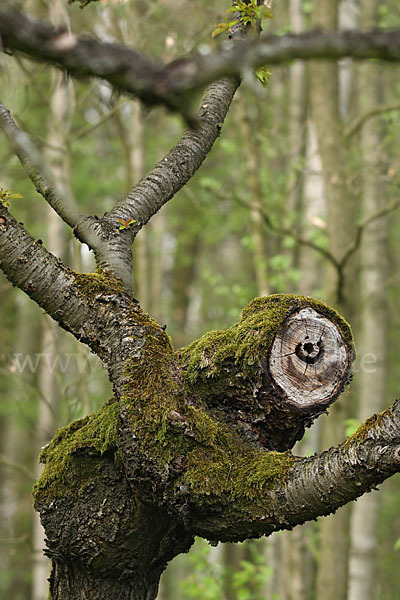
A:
250, 338
63, 472
235, 473
165, 423
362, 431
99, 282
151, 392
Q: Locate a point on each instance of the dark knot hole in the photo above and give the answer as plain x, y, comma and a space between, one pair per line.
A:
310, 352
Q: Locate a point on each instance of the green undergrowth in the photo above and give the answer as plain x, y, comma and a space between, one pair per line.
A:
249, 340
362, 431
66, 468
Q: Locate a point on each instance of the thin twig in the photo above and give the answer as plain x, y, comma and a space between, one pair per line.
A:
339, 265
286, 231
89, 128
32, 162
358, 123
362, 226
6, 462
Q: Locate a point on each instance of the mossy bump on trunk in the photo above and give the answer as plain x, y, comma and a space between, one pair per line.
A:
187, 432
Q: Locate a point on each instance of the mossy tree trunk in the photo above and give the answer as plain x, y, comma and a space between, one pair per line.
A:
192, 443
184, 448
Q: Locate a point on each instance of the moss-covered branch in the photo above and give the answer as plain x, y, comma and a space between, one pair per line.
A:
188, 444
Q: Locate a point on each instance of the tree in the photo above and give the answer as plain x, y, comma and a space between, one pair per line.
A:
198, 441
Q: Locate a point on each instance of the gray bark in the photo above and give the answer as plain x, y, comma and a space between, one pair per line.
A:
172, 84
195, 443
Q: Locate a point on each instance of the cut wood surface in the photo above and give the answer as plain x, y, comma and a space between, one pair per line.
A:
308, 358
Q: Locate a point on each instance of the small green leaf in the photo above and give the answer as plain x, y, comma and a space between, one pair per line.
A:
126, 224
7, 195
220, 28
263, 75
263, 12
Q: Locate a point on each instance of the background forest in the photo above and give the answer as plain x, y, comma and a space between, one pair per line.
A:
300, 194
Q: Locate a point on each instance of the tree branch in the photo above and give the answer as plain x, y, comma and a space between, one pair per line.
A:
314, 486
28, 265
134, 72
386, 210
181, 163
84, 227
339, 265
358, 123
124, 68
93, 307
31, 160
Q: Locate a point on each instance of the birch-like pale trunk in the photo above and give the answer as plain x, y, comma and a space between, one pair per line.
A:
297, 130
325, 99
374, 316
253, 172
295, 557
61, 109
15, 508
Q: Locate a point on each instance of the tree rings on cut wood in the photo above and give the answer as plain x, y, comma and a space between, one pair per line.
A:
309, 359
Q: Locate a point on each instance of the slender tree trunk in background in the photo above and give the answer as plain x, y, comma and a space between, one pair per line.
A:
253, 168
297, 126
45, 426
294, 560
374, 313
313, 216
334, 530
131, 130
231, 558
15, 503
60, 116
348, 19
311, 268
186, 258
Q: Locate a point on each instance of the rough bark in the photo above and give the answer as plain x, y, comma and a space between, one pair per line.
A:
195, 443
185, 451
302, 372
172, 84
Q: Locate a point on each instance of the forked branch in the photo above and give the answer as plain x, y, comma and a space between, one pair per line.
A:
173, 84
